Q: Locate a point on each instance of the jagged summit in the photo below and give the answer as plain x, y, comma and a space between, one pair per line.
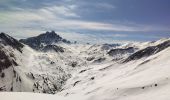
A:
44, 39
49, 37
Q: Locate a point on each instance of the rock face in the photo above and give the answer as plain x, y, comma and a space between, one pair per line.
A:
8, 62
120, 51
15, 58
53, 48
109, 46
148, 51
7, 58
5, 62
8, 40
42, 40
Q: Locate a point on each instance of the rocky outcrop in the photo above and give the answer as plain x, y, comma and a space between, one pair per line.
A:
120, 51
148, 51
8, 40
109, 46
42, 40
7, 57
52, 48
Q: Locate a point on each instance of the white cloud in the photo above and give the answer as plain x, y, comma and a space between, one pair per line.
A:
52, 18
58, 17
91, 38
89, 25
31, 22
61, 10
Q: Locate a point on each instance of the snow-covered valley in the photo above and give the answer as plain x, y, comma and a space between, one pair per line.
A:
83, 71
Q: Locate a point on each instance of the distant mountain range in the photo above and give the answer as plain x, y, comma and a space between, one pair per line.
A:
50, 64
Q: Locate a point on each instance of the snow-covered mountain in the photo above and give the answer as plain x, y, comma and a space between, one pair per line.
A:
44, 39
50, 64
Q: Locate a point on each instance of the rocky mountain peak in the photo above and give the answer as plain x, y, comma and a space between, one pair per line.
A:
44, 39
54, 37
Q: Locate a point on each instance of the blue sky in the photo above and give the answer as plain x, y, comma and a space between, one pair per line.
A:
88, 20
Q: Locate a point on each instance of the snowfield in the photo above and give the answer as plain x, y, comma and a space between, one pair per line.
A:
147, 79
135, 71
28, 96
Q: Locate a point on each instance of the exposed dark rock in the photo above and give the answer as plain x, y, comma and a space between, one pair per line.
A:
8, 40
14, 63
11, 89
120, 51
76, 83
90, 58
5, 62
143, 87
53, 48
2, 75
109, 46
52, 62
2, 88
148, 51
82, 71
15, 74
99, 60
74, 64
92, 78
47, 38
7, 58
19, 79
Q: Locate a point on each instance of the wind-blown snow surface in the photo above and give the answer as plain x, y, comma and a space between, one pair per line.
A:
87, 72
145, 79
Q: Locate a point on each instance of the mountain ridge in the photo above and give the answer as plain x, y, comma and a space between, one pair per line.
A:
44, 39
91, 71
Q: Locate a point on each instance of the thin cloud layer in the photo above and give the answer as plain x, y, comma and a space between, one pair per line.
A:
74, 16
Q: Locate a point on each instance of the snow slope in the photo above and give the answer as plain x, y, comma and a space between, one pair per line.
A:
88, 72
143, 79
28, 96
135, 80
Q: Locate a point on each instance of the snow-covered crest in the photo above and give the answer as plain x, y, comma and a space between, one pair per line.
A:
92, 72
